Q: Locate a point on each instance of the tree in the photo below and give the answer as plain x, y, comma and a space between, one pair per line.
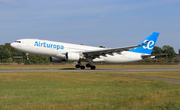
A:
7, 46
102, 47
7, 53
4, 53
157, 50
169, 50
1, 53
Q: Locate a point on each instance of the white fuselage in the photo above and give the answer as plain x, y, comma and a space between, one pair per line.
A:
59, 49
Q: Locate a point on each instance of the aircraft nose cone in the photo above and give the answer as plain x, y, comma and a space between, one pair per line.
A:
12, 44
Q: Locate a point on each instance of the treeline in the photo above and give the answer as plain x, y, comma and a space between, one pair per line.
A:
165, 49
7, 53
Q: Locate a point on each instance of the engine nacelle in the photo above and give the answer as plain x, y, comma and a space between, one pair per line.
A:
72, 56
54, 59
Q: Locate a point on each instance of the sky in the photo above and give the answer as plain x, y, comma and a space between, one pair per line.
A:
108, 23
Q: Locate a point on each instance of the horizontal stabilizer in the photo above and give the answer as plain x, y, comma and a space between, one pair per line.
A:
150, 56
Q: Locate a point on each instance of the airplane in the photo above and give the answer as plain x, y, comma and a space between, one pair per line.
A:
60, 51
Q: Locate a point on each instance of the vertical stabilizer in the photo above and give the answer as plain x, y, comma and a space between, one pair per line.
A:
148, 48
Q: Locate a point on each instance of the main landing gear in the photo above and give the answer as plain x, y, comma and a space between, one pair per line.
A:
79, 65
91, 66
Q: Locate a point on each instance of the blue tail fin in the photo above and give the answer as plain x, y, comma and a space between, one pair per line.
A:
148, 48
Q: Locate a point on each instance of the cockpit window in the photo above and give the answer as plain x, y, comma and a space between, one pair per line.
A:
18, 41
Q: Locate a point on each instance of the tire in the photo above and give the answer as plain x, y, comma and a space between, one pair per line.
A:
93, 67
88, 65
82, 67
77, 66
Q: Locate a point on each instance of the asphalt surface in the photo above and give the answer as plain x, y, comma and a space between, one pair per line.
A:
102, 70
87, 70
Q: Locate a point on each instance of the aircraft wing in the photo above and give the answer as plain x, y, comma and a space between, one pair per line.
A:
97, 53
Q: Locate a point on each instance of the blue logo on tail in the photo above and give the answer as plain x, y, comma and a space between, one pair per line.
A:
148, 43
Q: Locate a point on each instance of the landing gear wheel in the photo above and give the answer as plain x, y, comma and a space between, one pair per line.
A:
88, 65
93, 67
82, 67
77, 66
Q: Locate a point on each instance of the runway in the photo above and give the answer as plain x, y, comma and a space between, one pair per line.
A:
87, 70
177, 81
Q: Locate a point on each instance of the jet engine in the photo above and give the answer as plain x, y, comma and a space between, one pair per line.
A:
72, 56
54, 59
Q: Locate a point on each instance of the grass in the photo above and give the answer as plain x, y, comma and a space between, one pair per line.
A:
21, 66
89, 91
163, 74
